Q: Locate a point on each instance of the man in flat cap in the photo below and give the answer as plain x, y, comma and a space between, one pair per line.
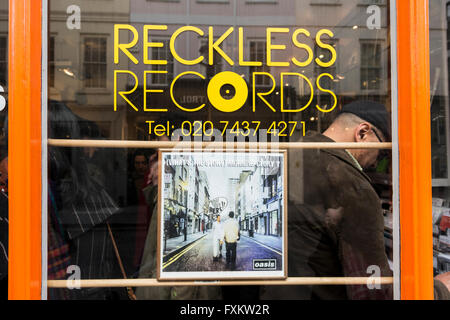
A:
335, 222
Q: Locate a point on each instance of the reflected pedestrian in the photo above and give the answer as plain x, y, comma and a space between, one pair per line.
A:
79, 210
335, 220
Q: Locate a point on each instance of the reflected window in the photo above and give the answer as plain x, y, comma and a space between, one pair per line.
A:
370, 65
94, 62
217, 66
165, 72
325, 55
258, 52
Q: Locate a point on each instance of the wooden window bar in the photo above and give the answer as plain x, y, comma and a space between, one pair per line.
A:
110, 283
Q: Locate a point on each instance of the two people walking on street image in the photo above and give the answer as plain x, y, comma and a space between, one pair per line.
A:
227, 232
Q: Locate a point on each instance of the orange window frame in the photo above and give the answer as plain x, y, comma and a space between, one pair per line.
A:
25, 149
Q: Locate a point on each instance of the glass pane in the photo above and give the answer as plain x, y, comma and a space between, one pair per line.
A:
439, 76
4, 151
258, 71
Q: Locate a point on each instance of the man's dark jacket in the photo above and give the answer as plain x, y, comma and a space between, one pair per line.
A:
335, 226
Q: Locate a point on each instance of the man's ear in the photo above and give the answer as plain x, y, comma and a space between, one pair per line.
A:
361, 131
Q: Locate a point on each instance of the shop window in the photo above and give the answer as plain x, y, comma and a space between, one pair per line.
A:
162, 53
254, 190
370, 65
94, 62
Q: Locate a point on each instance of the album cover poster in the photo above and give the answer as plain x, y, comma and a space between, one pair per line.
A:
222, 215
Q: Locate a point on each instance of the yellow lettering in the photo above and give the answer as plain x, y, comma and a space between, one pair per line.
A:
282, 91
172, 45
241, 52
151, 90
172, 96
148, 44
302, 46
271, 47
123, 93
160, 130
124, 46
326, 90
325, 46
262, 94
215, 46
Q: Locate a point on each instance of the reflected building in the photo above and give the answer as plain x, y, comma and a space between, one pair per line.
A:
81, 61
84, 78
362, 68
360, 71
190, 90
80, 74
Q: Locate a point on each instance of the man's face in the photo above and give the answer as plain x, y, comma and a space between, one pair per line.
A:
368, 133
140, 165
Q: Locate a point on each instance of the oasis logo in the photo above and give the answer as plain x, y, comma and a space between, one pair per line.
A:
264, 264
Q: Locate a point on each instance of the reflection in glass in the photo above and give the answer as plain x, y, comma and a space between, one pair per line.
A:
156, 87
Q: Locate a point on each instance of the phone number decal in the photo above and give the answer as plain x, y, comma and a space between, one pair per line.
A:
238, 128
